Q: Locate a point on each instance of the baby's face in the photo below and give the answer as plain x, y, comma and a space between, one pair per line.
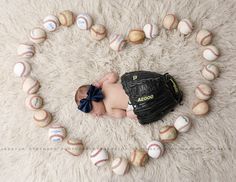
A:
98, 109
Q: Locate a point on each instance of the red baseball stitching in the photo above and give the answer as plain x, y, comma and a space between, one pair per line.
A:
156, 145
143, 159
115, 166
200, 90
36, 85
100, 161
169, 127
213, 52
214, 75
77, 143
64, 17
189, 123
203, 39
190, 26
60, 136
96, 153
36, 96
72, 153
85, 21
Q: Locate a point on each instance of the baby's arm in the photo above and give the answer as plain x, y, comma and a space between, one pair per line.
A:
111, 77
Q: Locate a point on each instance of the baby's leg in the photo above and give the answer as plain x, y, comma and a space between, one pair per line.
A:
130, 112
131, 115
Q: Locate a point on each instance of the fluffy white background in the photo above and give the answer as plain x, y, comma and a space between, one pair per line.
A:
70, 58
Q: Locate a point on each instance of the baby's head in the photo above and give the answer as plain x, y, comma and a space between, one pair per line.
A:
98, 108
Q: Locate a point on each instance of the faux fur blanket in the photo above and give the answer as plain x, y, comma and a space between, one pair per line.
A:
70, 57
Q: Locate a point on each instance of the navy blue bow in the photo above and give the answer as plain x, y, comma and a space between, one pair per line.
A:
93, 94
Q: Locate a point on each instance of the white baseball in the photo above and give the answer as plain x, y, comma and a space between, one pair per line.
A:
42, 118
210, 72
204, 37
211, 53
84, 21
117, 42
155, 149
150, 30
139, 157
38, 35
99, 157
185, 26
33, 102
51, 23
30, 85
200, 107
182, 124
57, 133
26, 50
203, 92
22, 68
120, 166
66, 18
75, 146
170, 22
98, 32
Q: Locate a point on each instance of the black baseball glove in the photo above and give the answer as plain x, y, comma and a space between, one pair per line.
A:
152, 95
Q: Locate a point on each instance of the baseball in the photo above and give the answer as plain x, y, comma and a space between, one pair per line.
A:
98, 32
42, 118
185, 26
182, 124
51, 23
203, 92
117, 42
211, 53
139, 157
136, 36
22, 68
170, 22
155, 149
75, 146
150, 30
38, 35
57, 133
204, 37
84, 21
120, 166
210, 72
26, 50
200, 107
66, 18
30, 85
99, 157
33, 102
168, 133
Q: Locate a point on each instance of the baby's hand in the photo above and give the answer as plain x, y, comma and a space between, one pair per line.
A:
97, 84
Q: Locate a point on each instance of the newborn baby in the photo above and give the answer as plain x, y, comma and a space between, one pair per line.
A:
142, 95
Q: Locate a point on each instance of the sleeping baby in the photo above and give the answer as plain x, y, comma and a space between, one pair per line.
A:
142, 95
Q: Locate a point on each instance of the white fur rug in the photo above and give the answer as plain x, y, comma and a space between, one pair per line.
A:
70, 58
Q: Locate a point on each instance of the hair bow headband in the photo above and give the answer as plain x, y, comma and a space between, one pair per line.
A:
93, 94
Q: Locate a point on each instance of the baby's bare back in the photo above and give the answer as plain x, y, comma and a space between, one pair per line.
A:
115, 96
